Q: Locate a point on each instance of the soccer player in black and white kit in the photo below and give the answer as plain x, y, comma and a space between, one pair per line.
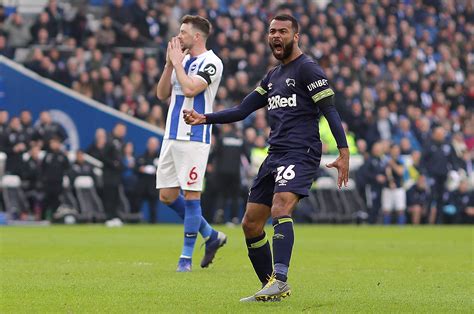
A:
296, 93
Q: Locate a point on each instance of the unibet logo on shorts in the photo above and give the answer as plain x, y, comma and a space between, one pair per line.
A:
278, 101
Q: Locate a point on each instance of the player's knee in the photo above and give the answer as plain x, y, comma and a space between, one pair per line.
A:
251, 228
282, 206
166, 199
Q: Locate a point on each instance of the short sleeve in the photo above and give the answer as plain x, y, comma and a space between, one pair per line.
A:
210, 70
315, 81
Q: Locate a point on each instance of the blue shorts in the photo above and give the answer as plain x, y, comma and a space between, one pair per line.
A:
284, 172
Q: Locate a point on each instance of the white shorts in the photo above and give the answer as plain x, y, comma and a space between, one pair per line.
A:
394, 199
182, 164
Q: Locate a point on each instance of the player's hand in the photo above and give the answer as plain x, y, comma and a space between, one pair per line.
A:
342, 166
176, 53
193, 118
168, 60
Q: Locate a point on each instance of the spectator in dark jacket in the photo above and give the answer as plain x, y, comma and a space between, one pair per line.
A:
456, 204
112, 159
146, 172
376, 179
81, 167
32, 180
418, 200
53, 168
437, 160
16, 145
229, 150
48, 129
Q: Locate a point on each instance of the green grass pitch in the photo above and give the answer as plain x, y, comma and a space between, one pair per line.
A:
83, 269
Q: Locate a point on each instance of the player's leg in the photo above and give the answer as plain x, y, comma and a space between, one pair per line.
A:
283, 239
293, 178
256, 215
256, 239
176, 201
191, 168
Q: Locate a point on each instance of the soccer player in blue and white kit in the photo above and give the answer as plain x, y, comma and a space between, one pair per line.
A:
190, 78
296, 93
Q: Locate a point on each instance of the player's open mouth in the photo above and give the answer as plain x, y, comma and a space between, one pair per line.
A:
277, 46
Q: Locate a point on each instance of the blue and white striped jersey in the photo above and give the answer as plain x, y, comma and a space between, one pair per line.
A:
208, 67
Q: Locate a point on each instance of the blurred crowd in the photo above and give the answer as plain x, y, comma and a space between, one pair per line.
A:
36, 153
402, 72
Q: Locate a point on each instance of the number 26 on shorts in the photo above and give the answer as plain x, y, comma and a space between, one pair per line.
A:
286, 173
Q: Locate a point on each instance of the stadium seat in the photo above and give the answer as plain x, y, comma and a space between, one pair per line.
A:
124, 210
13, 196
3, 161
90, 205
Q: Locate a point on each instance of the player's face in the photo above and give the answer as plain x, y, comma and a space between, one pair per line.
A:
281, 39
186, 36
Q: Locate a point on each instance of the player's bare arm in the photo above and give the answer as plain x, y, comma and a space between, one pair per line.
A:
163, 90
191, 85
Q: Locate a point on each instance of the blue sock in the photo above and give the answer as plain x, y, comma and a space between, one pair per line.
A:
192, 221
387, 219
204, 229
402, 219
283, 240
178, 206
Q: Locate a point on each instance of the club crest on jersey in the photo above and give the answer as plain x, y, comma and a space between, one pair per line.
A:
278, 101
290, 82
193, 67
269, 86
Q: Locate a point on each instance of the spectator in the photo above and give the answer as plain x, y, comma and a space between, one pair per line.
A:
47, 129
18, 31
156, 117
27, 124
376, 180
404, 131
3, 130
112, 171
106, 36
53, 168
129, 176
97, 148
16, 145
393, 194
146, 175
81, 167
227, 155
5, 50
456, 204
437, 159
32, 180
